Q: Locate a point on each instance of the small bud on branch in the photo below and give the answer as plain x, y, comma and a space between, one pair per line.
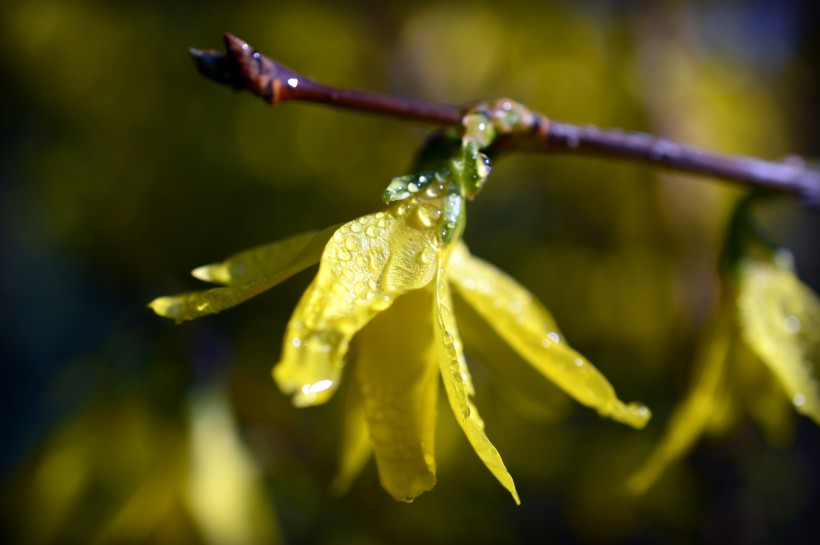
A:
242, 67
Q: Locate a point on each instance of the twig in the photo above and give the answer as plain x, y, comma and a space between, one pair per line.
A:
244, 68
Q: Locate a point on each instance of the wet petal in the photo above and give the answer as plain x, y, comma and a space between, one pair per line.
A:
692, 418
398, 380
521, 386
245, 275
779, 319
528, 327
458, 385
366, 265
261, 260
356, 449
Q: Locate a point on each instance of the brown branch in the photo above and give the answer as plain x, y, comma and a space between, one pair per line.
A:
244, 68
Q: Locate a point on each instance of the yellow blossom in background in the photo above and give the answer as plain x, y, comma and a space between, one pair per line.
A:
761, 356
155, 481
384, 287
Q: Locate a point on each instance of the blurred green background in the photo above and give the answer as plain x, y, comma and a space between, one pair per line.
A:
122, 170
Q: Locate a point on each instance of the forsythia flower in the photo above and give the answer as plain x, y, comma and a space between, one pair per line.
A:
384, 282
761, 356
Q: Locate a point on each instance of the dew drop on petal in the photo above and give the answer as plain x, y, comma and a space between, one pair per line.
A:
514, 307
428, 216
371, 231
799, 399
296, 342
427, 256
352, 243
791, 324
356, 227
434, 190
343, 255
579, 362
403, 209
554, 336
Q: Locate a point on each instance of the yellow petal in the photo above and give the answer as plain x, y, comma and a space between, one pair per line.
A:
527, 326
261, 260
691, 419
521, 386
356, 449
780, 321
398, 381
246, 275
457, 384
224, 492
365, 266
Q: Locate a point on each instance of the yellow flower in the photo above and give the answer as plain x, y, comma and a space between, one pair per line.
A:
384, 284
761, 356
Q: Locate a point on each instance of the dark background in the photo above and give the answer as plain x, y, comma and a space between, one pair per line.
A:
122, 169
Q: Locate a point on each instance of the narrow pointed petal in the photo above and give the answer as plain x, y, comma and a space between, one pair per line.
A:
780, 321
366, 265
458, 386
261, 260
398, 381
692, 418
356, 449
528, 327
246, 275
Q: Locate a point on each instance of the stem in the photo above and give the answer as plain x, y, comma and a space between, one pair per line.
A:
244, 68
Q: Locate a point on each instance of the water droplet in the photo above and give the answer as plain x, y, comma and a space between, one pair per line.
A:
546, 342
338, 236
791, 324
554, 336
374, 284
382, 303
343, 255
359, 289
427, 256
362, 260
428, 216
578, 362
371, 231
356, 227
352, 243
296, 342
799, 400
403, 209
409, 499
515, 307
412, 188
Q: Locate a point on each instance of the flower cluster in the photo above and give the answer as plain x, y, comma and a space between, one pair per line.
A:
761, 358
